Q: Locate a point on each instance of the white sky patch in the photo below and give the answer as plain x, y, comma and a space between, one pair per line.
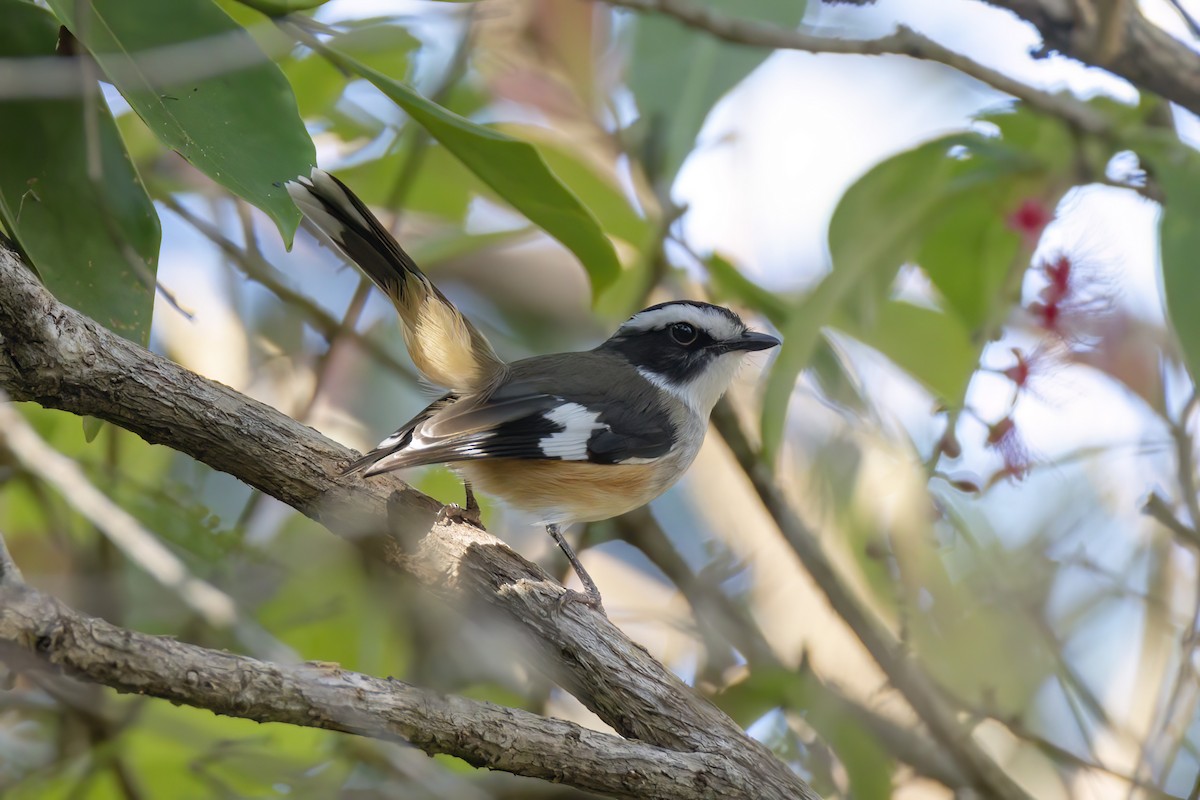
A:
570, 444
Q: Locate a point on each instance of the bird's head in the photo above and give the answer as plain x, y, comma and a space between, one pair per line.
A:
688, 348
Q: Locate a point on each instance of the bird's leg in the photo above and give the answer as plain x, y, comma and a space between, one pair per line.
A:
469, 513
472, 505
591, 595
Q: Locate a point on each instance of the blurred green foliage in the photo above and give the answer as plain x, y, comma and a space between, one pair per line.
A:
452, 145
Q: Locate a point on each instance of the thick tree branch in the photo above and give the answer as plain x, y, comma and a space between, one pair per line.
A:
55, 356
37, 630
902, 42
1128, 45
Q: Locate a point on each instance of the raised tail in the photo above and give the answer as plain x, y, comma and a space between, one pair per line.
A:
447, 349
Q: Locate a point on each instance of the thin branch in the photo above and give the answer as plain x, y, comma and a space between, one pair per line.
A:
904, 41
1186, 16
38, 631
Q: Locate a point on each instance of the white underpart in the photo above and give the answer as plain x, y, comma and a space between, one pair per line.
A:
570, 444
714, 323
703, 391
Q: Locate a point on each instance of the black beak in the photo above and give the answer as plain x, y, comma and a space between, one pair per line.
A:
749, 341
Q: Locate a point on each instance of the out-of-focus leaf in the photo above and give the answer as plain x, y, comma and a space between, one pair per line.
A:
1176, 168
512, 168
94, 242
277, 8
833, 376
600, 193
866, 763
318, 84
443, 186
973, 620
176, 751
92, 428
971, 253
677, 74
433, 250
323, 610
205, 89
728, 282
931, 346
879, 225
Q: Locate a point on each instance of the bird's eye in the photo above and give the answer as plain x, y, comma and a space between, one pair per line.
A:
683, 334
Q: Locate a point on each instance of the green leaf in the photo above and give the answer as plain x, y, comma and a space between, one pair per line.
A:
92, 428
94, 242
318, 84
933, 347
512, 168
443, 186
1176, 169
880, 224
874, 229
205, 89
601, 193
277, 8
729, 282
971, 252
677, 74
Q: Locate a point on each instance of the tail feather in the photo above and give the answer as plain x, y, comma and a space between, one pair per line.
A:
447, 349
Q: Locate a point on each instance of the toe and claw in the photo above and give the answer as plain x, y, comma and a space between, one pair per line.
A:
468, 513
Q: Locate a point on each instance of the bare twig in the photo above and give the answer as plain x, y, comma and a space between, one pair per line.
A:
904, 41
1159, 510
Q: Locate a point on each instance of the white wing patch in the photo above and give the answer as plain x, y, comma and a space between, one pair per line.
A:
570, 444
391, 441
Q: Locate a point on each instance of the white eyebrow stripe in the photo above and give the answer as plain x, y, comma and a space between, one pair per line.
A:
579, 423
714, 323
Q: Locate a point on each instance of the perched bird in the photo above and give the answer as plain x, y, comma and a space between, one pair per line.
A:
569, 437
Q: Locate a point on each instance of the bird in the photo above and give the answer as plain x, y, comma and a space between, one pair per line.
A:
568, 437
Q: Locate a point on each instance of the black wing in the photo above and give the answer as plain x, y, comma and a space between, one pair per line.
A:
590, 420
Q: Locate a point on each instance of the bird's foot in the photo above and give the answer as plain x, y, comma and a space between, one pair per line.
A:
589, 599
452, 512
